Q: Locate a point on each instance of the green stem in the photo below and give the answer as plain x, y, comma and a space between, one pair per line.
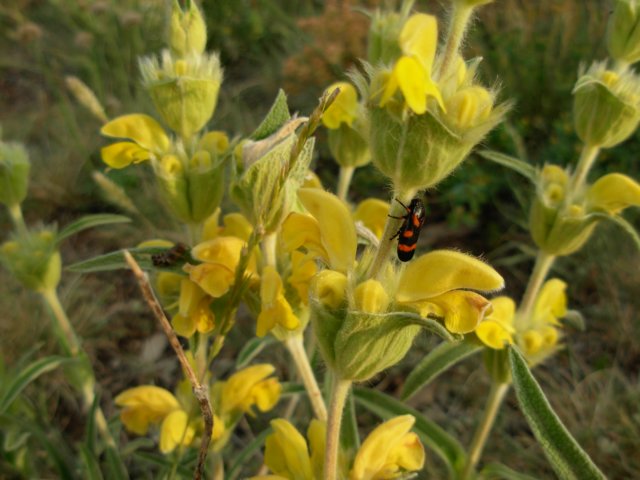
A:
296, 348
344, 180
72, 345
338, 399
18, 220
390, 229
543, 264
496, 395
459, 20
587, 158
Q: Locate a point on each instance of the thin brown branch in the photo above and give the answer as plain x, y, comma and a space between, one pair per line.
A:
199, 391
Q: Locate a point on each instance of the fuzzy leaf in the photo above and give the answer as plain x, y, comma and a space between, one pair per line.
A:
437, 361
513, 163
90, 221
566, 456
277, 116
27, 375
433, 436
430, 324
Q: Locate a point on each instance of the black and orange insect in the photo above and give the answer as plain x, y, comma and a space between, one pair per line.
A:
409, 231
171, 256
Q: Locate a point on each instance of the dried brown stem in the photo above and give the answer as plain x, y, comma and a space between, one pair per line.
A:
199, 391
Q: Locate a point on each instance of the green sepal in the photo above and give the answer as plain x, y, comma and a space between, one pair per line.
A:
278, 115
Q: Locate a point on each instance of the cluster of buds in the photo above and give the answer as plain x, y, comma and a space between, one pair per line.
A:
426, 112
562, 220
184, 83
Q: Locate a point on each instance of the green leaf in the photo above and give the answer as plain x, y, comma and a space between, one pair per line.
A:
495, 471
430, 324
574, 319
90, 221
566, 457
437, 361
115, 260
240, 459
27, 375
433, 436
251, 349
622, 223
290, 388
523, 168
116, 469
91, 470
277, 116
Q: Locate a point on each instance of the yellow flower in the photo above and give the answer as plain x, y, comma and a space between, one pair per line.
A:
344, 108
329, 233
411, 74
220, 257
303, 269
250, 387
286, 452
613, 193
538, 334
146, 139
389, 450
371, 297
276, 310
438, 282
148, 404
496, 330
373, 214
193, 310
329, 288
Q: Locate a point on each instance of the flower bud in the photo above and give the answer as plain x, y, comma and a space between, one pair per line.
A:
606, 108
14, 173
623, 32
370, 296
185, 91
32, 257
187, 30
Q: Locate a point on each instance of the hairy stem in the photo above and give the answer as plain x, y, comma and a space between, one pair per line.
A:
344, 180
458, 22
338, 399
587, 158
543, 264
496, 395
15, 211
199, 391
296, 348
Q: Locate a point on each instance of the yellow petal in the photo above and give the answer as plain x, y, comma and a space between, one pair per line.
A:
419, 38
373, 214
140, 128
281, 313
440, 271
223, 250
550, 336
303, 270
184, 325
190, 296
215, 142
371, 297
412, 79
531, 342
389, 83
493, 334
613, 193
213, 278
409, 454
551, 303
204, 319
504, 311
266, 394
316, 435
123, 154
372, 460
168, 284
463, 310
237, 390
286, 452
218, 428
344, 108
338, 234
300, 230
270, 285
175, 431
236, 225
329, 288
144, 405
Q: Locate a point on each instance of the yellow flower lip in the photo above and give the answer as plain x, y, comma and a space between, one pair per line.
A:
613, 193
144, 405
344, 108
249, 387
441, 271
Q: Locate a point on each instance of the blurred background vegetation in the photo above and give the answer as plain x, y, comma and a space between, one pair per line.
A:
533, 50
